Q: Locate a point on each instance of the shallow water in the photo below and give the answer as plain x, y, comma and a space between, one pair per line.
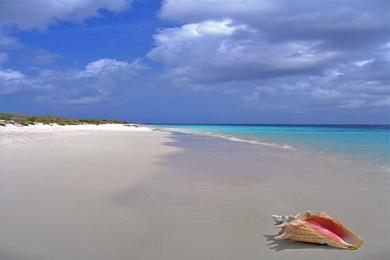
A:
364, 142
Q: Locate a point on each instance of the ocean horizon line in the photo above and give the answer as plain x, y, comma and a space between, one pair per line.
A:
308, 125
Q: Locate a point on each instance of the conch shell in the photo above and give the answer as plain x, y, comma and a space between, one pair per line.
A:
316, 228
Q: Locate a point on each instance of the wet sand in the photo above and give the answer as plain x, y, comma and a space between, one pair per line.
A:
154, 195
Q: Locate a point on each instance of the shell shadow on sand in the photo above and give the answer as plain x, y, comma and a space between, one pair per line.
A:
279, 245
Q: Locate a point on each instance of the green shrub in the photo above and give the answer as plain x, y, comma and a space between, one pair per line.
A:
48, 120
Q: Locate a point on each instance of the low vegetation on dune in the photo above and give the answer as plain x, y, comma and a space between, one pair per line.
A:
25, 120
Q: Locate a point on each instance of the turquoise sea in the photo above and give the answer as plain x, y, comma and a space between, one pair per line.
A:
364, 142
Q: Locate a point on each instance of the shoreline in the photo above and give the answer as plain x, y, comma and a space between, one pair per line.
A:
158, 195
305, 150
40, 129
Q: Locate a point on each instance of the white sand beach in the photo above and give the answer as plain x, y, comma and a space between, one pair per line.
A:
120, 192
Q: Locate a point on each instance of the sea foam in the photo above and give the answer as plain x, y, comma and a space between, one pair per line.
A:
230, 138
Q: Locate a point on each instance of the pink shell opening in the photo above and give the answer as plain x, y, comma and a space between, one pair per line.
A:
329, 228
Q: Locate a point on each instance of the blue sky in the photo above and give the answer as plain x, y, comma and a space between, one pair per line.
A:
198, 61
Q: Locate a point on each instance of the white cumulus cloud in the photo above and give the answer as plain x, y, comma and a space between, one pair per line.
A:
98, 82
9, 74
11, 81
222, 51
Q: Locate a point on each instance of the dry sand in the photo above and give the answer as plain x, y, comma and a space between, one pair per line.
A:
90, 195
